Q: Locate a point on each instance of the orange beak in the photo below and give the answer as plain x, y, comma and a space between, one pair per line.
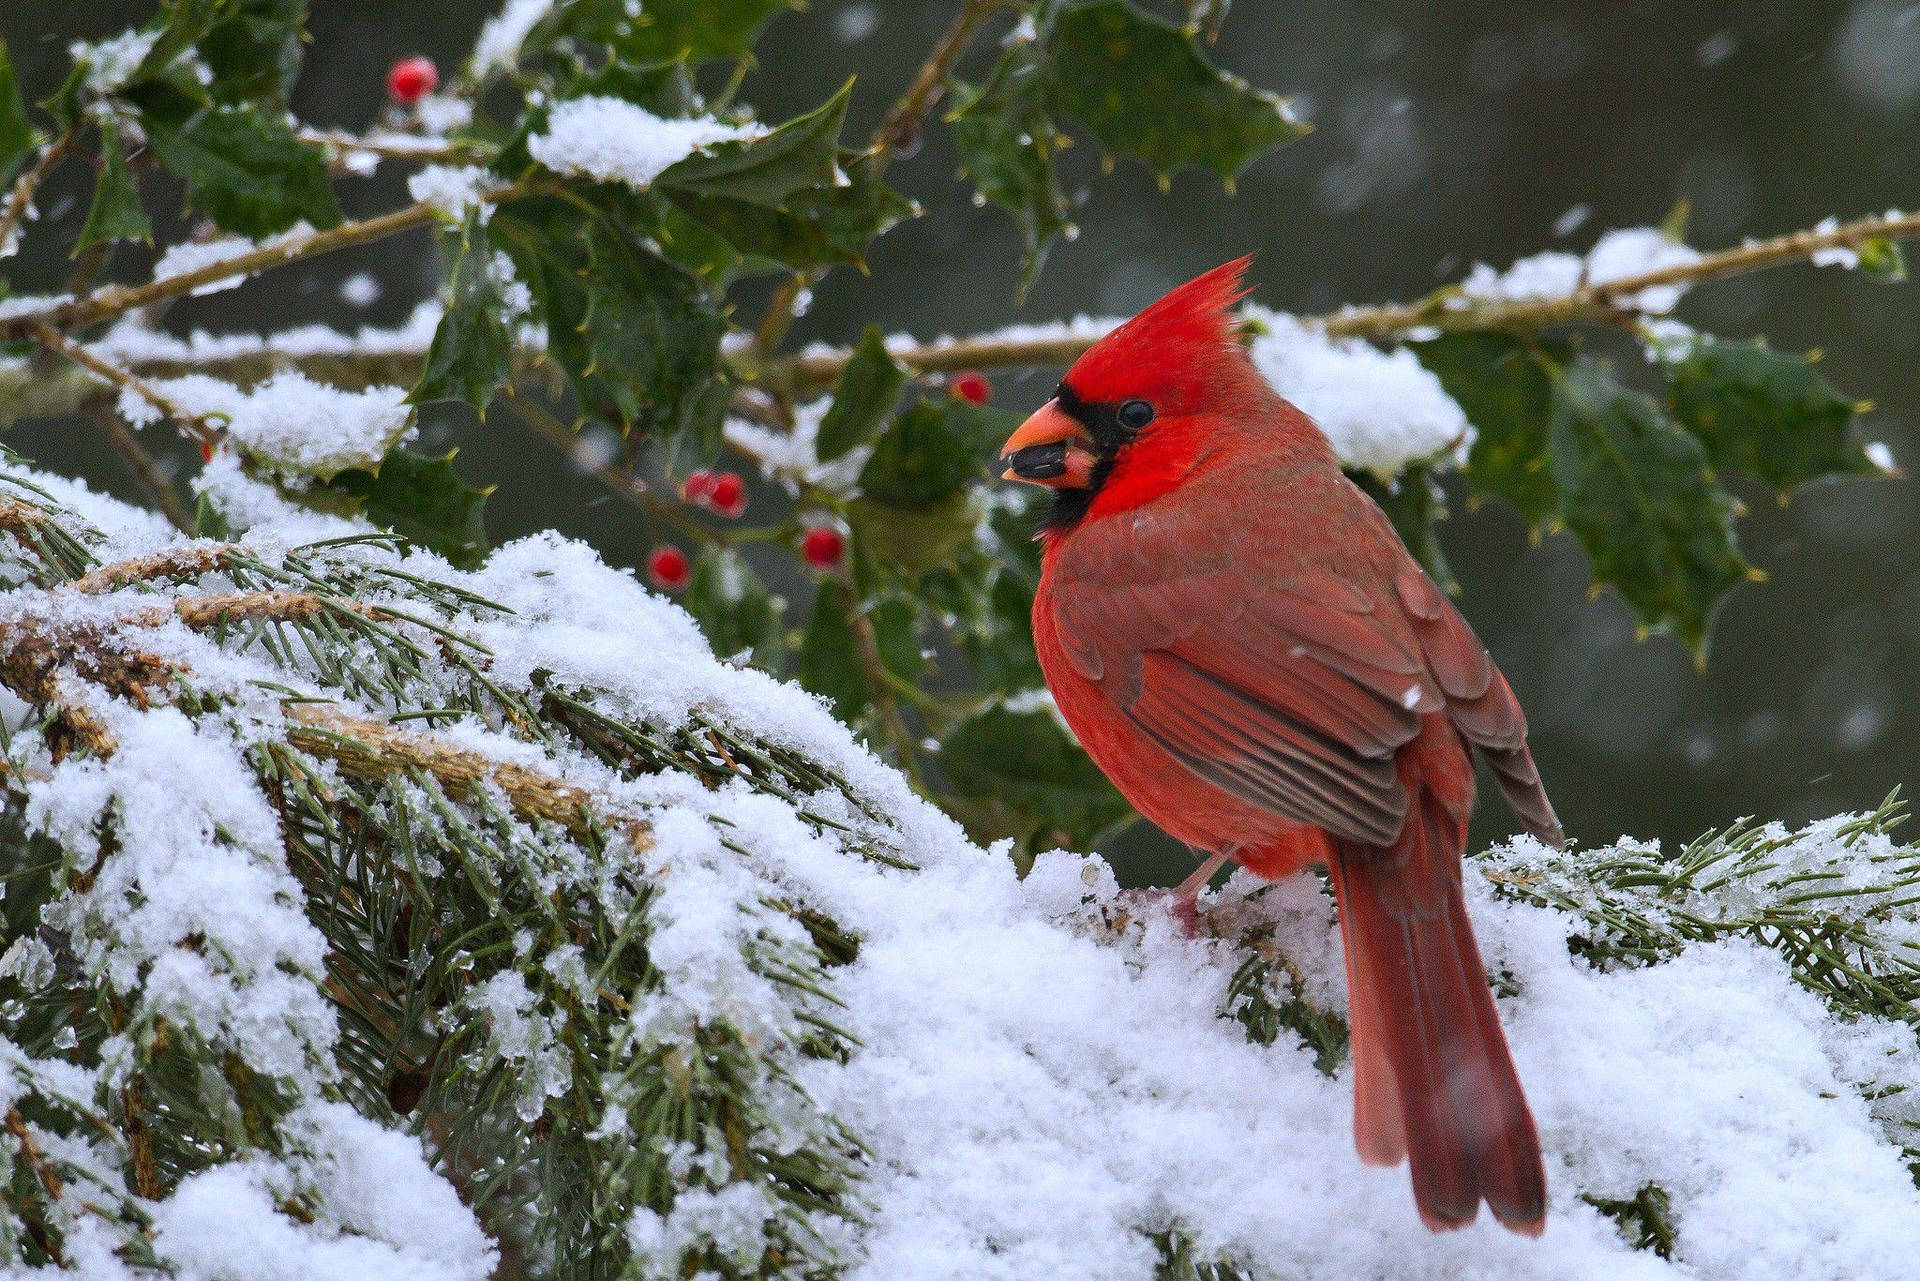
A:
1051, 448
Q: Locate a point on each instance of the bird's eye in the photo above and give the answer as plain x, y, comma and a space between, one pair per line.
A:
1135, 414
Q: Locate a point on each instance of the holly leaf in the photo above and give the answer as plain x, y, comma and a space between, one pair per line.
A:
16, 132
661, 29
423, 500
1023, 769
930, 451
863, 396
638, 335
244, 168
830, 657
1143, 87
818, 226
472, 353
765, 171
1770, 414
1641, 499
734, 608
254, 48
1416, 505
116, 212
1505, 388
1006, 140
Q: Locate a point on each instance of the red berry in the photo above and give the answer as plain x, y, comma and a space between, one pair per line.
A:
823, 548
669, 568
698, 486
973, 387
206, 451
411, 79
728, 494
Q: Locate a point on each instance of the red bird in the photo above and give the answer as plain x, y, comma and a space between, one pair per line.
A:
1248, 651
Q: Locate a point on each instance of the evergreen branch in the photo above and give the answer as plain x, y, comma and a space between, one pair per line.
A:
370, 750
174, 562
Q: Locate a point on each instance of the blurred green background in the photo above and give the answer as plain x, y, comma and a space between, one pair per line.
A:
1449, 133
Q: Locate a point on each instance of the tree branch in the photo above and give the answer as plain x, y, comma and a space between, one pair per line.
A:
21, 197
1446, 310
146, 472
193, 426
900, 131
117, 300
898, 134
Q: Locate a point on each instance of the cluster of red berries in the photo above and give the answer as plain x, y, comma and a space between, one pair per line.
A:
723, 492
411, 79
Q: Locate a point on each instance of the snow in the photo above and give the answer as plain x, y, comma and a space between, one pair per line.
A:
1618, 254
110, 62
383, 1214
792, 457
498, 48
192, 255
1381, 410
298, 426
453, 190
614, 140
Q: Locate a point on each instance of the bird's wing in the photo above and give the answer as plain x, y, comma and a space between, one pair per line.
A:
1291, 689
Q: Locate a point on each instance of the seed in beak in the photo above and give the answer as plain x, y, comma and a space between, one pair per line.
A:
1039, 462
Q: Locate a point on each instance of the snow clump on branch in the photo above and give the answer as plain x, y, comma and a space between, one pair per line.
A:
613, 140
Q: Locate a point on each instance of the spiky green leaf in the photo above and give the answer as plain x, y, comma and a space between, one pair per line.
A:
116, 212
472, 353
863, 396
1642, 500
765, 171
1505, 387
244, 168
425, 500
1006, 140
1770, 414
1143, 86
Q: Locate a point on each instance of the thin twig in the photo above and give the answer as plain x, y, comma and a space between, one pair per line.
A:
897, 135
117, 300
900, 131
145, 471
1446, 311
20, 199
625, 484
339, 142
194, 427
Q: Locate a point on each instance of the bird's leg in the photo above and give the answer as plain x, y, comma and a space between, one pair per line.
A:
1184, 901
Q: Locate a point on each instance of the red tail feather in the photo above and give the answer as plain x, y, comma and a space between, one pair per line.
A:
1432, 1077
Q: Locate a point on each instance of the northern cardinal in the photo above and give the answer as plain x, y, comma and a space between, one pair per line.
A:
1245, 647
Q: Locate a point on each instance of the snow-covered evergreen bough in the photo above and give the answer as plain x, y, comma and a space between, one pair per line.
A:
374, 919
